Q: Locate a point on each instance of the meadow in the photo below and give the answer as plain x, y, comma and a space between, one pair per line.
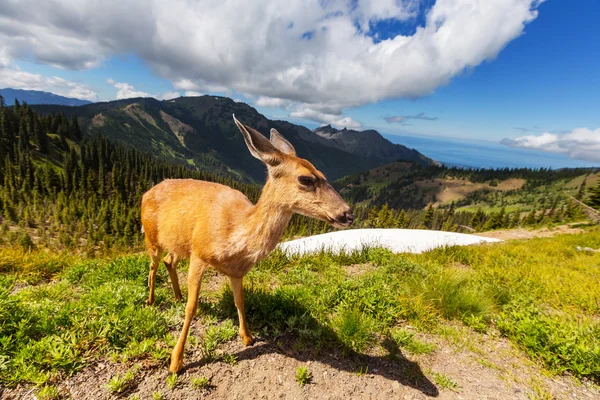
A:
59, 311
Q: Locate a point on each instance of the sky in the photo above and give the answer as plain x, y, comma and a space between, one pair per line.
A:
523, 73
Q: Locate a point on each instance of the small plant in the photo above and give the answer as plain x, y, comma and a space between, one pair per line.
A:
303, 375
200, 382
354, 329
230, 359
157, 396
172, 381
445, 382
119, 383
407, 340
48, 393
215, 335
362, 370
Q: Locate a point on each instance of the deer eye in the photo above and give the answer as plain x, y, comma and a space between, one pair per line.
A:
306, 180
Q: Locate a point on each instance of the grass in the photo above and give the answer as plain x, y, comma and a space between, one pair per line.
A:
171, 381
201, 382
157, 396
230, 359
444, 381
303, 375
48, 393
542, 294
119, 383
406, 340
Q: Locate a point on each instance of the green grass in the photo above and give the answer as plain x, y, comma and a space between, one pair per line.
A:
230, 359
121, 382
542, 294
171, 381
303, 375
444, 381
406, 340
200, 382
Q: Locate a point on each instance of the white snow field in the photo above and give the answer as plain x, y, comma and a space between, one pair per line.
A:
397, 240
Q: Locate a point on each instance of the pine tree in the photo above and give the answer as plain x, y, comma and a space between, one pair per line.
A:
581, 191
428, 217
593, 199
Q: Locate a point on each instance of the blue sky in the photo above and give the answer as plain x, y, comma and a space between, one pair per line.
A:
539, 76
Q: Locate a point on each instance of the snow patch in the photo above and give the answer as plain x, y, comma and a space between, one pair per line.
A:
396, 240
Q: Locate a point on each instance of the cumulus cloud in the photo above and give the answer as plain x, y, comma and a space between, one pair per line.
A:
336, 120
272, 102
192, 93
402, 119
17, 79
310, 53
127, 91
579, 144
169, 95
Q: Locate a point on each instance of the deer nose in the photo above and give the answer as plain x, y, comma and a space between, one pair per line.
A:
349, 217
346, 218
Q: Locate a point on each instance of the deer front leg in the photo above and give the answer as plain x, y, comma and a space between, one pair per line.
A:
238, 297
195, 274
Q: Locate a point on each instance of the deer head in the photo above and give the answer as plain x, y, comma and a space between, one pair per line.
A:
294, 183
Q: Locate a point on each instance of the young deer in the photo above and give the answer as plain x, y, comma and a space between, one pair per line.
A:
216, 226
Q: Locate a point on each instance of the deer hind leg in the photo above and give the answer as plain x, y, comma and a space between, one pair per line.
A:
238, 297
195, 274
171, 262
154, 263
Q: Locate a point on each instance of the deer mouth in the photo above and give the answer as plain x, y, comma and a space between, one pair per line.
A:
338, 224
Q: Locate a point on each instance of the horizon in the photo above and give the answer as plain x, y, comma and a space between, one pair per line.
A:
519, 81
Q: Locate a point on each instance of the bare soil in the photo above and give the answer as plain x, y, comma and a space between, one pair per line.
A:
520, 233
482, 366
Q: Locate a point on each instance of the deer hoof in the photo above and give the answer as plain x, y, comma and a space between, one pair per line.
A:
176, 366
247, 340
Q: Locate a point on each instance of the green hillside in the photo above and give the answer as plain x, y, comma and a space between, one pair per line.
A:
404, 185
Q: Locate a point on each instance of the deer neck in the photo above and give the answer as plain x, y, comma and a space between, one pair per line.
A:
267, 220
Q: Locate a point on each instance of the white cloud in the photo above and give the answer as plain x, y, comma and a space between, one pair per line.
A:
15, 78
169, 95
310, 53
272, 102
579, 144
192, 93
127, 91
336, 120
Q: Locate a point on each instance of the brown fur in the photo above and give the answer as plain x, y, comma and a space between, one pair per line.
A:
217, 226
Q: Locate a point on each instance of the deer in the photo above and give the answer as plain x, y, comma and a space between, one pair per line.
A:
218, 227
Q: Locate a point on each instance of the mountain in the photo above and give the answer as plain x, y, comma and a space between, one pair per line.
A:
39, 97
200, 131
371, 144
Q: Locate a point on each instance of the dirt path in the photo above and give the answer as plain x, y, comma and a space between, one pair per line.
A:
520, 233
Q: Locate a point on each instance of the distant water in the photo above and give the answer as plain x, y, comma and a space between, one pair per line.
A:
484, 154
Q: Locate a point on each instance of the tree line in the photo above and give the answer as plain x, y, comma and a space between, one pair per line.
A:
63, 190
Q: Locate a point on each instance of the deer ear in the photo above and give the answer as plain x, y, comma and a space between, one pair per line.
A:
281, 143
258, 145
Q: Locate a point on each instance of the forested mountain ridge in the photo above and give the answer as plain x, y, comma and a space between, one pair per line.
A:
200, 131
404, 185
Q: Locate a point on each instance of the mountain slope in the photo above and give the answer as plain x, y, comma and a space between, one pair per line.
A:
38, 97
371, 144
200, 131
